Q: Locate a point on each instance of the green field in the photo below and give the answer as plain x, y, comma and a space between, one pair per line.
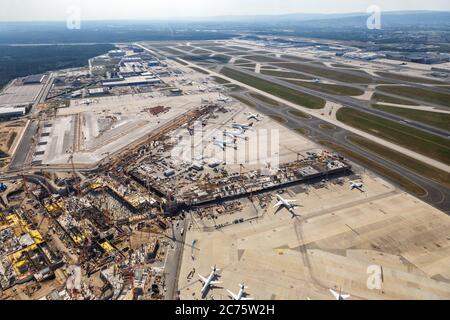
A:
293, 96
329, 88
264, 99
243, 100
247, 65
239, 61
347, 76
435, 119
200, 51
378, 97
412, 164
420, 94
407, 78
419, 141
277, 118
395, 177
233, 87
199, 70
220, 80
295, 58
185, 48
259, 58
285, 74
346, 66
300, 114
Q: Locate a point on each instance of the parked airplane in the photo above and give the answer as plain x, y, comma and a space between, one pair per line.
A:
234, 134
223, 99
241, 295
339, 296
356, 185
284, 203
243, 127
224, 143
209, 281
253, 116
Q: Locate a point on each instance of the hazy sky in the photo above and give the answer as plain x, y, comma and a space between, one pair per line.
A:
24, 10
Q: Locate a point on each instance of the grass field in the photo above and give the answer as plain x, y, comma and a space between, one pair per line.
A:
329, 88
286, 74
200, 51
264, 99
259, 58
185, 48
248, 65
419, 141
199, 70
293, 96
435, 119
355, 76
395, 177
243, 100
242, 61
340, 65
233, 87
295, 58
220, 80
327, 126
277, 118
414, 165
407, 78
300, 114
420, 94
379, 97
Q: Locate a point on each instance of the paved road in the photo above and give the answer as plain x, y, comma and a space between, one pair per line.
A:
437, 195
174, 259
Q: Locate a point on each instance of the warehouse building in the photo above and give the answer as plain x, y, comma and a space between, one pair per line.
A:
8, 113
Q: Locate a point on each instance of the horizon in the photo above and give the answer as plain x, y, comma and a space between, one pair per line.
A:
203, 18
163, 10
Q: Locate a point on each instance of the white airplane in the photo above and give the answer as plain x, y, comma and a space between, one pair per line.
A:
241, 295
339, 296
242, 127
234, 134
253, 116
356, 185
223, 99
284, 203
224, 143
208, 282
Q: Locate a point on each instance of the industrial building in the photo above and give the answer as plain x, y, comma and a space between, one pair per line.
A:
130, 81
7, 113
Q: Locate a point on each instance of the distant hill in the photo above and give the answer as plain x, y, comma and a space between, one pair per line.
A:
389, 19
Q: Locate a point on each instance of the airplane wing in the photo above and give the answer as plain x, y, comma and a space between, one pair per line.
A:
202, 279
247, 298
279, 203
345, 296
234, 296
213, 283
335, 294
290, 201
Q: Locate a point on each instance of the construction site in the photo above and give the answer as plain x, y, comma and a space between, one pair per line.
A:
138, 172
